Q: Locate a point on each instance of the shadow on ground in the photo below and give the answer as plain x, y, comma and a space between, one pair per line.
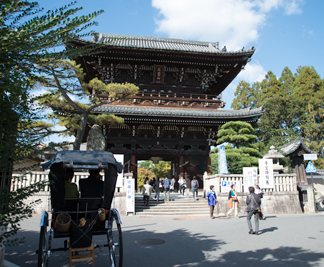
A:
181, 248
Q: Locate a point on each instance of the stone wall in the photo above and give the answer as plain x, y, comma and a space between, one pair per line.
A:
272, 203
284, 198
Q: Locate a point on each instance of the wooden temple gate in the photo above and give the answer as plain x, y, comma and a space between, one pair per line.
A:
179, 109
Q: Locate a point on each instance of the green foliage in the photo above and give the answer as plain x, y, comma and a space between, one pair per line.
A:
29, 40
293, 107
159, 169
65, 82
16, 210
241, 150
142, 174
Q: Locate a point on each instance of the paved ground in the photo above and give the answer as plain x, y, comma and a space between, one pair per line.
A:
285, 240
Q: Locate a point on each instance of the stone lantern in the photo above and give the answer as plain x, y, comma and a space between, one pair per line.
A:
275, 156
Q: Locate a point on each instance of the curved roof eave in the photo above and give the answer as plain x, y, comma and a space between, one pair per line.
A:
164, 45
179, 112
293, 146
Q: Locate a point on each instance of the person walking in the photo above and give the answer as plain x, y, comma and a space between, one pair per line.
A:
172, 184
182, 184
194, 188
156, 187
232, 202
166, 188
212, 200
258, 191
147, 191
253, 203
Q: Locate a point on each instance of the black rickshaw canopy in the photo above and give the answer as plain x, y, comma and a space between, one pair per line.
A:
78, 159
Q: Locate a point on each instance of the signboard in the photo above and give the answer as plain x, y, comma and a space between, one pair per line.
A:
310, 168
226, 186
120, 177
266, 173
130, 196
250, 177
222, 163
310, 156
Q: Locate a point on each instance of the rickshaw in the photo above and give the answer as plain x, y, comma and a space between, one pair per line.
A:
81, 209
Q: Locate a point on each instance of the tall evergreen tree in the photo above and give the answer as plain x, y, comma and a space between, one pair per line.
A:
28, 38
241, 150
293, 107
309, 90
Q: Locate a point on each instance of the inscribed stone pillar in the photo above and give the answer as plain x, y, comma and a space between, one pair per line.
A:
96, 141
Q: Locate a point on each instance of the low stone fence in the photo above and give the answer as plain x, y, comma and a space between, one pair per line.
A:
284, 198
21, 181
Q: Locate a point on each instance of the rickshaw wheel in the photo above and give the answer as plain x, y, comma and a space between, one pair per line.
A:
43, 248
115, 242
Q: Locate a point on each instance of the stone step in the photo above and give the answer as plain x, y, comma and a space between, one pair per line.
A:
157, 213
175, 207
169, 207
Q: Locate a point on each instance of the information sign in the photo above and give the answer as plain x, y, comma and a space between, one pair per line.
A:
226, 186
130, 196
250, 177
310, 156
266, 173
310, 168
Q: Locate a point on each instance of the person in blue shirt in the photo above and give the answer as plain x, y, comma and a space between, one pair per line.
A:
166, 187
194, 188
212, 200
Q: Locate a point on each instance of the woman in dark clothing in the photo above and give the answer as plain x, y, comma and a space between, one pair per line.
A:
253, 202
157, 189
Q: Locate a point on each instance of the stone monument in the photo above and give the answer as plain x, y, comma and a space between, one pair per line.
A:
96, 141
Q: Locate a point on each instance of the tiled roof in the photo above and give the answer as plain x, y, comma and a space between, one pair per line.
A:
165, 44
179, 112
293, 146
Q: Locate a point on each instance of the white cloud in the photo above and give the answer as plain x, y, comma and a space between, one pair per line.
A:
233, 22
293, 7
252, 73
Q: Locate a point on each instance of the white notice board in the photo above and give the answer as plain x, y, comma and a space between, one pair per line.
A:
266, 173
120, 177
250, 177
130, 196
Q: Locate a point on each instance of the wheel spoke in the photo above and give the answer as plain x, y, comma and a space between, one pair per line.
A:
115, 242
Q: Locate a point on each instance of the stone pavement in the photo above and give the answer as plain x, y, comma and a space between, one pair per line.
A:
162, 241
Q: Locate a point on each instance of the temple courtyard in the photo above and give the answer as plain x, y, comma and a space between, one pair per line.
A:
160, 241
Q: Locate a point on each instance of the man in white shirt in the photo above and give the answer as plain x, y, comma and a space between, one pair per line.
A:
182, 184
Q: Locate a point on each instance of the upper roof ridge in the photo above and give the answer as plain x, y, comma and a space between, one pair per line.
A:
163, 44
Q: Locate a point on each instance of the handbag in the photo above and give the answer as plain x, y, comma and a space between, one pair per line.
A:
215, 199
259, 209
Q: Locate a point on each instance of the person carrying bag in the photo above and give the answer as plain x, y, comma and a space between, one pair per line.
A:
212, 201
253, 202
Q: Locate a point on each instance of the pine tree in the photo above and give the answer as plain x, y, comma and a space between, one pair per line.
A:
241, 150
67, 80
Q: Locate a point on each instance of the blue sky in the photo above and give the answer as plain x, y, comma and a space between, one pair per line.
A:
283, 32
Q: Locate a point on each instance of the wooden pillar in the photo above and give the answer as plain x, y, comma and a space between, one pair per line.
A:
181, 161
208, 164
134, 168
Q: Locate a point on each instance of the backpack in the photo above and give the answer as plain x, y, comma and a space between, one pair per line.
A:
166, 183
194, 183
